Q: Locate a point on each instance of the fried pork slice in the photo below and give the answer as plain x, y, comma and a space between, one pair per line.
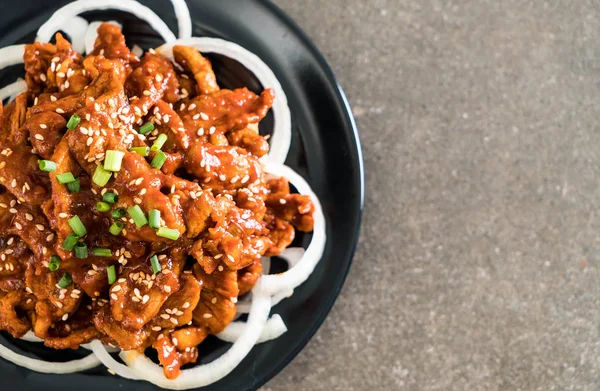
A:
30, 224
234, 239
125, 339
53, 67
53, 302
13, 258
191, 60
137, 297
207, 116
45, 132
154, 79
10, 320
178, 308
110, 43
216, 308
16, 113
75, 331
21, 175
178, 348
248, 276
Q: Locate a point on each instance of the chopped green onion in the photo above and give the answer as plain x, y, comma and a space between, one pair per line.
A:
67, 177
111, 198
138, 216
118, 213
116, 228
144, 151
154, 217
54, 263
65, 281
159, 142
69, 242
146, 128
102, 206
73, 121
81, 250
101, 176
168, 233
47, 165
112, 274
101, 252
113, 160
77, 226
156, 268
159, 159
74, 187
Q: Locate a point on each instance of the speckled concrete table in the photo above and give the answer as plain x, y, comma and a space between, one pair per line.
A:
478, 266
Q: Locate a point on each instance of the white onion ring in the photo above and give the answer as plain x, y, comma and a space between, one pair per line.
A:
184, 20
31, 337
76, 28
282, 130
62, 15
278, 283
41, 366
274, 328
203, 375
13, 89
122, 370
11, 55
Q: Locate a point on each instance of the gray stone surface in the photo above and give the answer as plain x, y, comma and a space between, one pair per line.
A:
478, 266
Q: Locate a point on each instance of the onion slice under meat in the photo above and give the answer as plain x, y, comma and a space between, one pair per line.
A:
41, 366
203, 375
283, 282
62, 16
274, 328
282, 130
11, 55
122, 370
13, 89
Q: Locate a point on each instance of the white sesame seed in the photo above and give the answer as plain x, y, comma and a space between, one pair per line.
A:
18, 225
214, 300
204, 116
174, 321
196, 116
167, 288
207, 316
164, 316
40, 227
212, 130
114, 296
156, 328
43, 77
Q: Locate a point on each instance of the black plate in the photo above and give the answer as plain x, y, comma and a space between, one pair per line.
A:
325, 150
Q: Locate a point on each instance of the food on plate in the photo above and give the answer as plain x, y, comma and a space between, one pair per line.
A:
138, 205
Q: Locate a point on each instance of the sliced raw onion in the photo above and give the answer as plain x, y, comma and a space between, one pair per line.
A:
184, 21
203, 375
13, 89
11, 55
243, 307
33, 364
62, 16
31, 337
122, 370
274, 328
76, 28
282, 130
283, 282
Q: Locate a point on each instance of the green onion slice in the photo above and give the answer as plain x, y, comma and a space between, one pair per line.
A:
69, 242
65, 281
73, 121
138, 216
101, 252
54, 263
168, 233
116, 228
154, 217
159, 142
112, 274
111, 198
156, 268
77, 226
65, 178
47, 165
74, 187
146, 128
81, 250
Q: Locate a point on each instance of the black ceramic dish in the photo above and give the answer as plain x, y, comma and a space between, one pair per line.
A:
325, 150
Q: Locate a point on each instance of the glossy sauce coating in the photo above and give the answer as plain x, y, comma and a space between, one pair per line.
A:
211, 192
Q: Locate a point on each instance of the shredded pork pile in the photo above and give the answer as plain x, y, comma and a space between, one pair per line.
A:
134, 208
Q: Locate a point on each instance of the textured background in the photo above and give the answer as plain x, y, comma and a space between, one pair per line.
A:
478, 266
